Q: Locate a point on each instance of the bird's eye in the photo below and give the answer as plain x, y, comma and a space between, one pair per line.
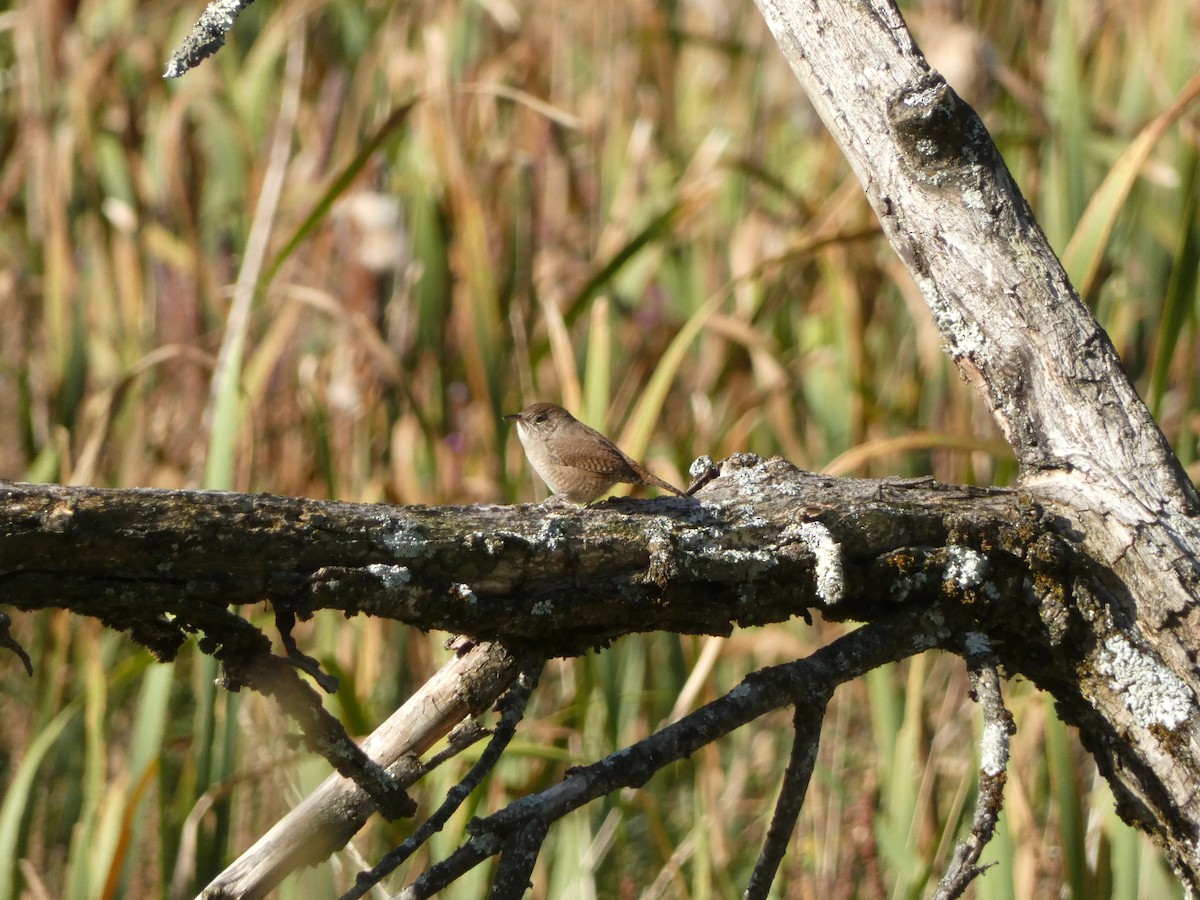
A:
539, 418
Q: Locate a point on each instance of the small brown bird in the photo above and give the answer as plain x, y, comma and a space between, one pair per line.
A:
576, 461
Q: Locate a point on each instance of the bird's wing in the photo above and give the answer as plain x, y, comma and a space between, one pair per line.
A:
598, 456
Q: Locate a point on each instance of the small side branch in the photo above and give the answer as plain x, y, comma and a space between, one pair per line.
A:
275, 677
517, 858
466, 686
7, 640
518, 829
513, 706
206, 37
998, 726
807, 724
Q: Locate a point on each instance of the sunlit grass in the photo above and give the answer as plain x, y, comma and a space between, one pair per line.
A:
629, 209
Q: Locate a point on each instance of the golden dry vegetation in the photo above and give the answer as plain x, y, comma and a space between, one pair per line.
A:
324, 264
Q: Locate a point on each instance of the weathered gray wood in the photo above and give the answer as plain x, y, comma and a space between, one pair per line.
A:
333, 813
1087, 445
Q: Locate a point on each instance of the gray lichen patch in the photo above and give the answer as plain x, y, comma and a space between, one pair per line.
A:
993, 748
977, 643
1151, 691
492, 543
827, 555
406, 541
963, 338
552, 533
966, 569
391, 577
463, 592
904, 585
706, 551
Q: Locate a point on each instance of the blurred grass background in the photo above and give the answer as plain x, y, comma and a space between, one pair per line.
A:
326, 262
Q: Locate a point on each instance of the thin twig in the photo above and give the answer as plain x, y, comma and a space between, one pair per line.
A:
512, 706
7, 640
807, 683
206, 37
806, 722
449, 870
998, 725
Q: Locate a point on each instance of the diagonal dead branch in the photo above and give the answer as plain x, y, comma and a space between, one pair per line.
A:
467, 685
1088, 447
512, 706
808, 682
323, 733
806, 722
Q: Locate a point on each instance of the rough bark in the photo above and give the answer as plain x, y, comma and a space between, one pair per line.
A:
927, 564
762, 543
1088, 447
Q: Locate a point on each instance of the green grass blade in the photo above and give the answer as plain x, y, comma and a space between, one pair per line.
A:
18, 798
1068, 106
338, 187
1065, 793
1179, 305
636, 436
597, 377
661, 227
1085, 253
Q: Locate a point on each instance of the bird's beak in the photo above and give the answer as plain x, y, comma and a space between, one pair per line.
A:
516, 417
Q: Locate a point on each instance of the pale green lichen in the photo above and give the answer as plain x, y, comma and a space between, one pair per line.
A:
392, 577
827, 556
1153, 693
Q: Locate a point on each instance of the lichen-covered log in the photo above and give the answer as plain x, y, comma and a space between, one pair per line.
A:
761, 544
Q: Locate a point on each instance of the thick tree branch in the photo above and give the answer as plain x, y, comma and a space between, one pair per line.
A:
766, 542
1000, 298
1088, 448
762, 543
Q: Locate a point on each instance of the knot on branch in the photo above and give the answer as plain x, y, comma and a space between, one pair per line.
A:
938, 132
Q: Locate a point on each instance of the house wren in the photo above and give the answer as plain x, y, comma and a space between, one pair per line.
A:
576, 461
